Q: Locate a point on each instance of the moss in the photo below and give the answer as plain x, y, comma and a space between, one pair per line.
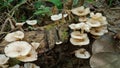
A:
64, 34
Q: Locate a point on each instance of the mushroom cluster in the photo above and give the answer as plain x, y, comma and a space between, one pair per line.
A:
20, 49
89, 22
3, 60
94, 23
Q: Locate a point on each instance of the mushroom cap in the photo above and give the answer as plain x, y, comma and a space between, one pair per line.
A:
10, 37
17, 48
30, 65
35, 45
82, 53
19, 34
78, 35
58, 16
31, 56
14, 36
81, 11
95, 16
3, 59
31, 22
20, 24
74, 26
80, 42
99, 17
103, 21
83, 26
58, 42
99, 31
93, 23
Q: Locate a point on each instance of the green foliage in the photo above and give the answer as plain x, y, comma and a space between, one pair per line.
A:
57, 3
13, 62
110, 2
37, 4
7, 2
43, 10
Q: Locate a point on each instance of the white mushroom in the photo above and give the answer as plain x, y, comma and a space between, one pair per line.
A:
78, 35
74, 26
99, 31
3, 59
19, 34
35, 44
58, 16
30, 65
14, 36
82, 53
31, 22
80, 42
58, 42
83, 26
97, 19
31, 56
93, 23
81, 11
17, 48
20, 24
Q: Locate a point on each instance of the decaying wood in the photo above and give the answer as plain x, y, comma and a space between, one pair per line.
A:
46, 36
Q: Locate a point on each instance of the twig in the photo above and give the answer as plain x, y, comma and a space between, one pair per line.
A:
18, 5
3, 26
11, 24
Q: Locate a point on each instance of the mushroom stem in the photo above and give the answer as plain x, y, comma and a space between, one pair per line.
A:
82, 31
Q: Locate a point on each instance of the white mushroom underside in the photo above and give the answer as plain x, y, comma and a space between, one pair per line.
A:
32, 56
78, 35
93, 23
80, 43
99, 33
85, 55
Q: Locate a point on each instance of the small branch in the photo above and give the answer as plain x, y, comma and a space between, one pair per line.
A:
3, 26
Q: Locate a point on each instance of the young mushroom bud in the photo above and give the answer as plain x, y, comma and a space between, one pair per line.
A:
82, 53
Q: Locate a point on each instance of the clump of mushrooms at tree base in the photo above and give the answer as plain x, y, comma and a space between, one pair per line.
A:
88, 23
